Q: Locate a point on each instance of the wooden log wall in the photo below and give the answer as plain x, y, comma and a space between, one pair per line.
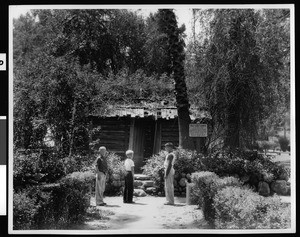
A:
114, 134
149, 138
169, 132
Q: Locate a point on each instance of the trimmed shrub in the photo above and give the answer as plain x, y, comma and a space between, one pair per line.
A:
206, 185
197, 194
241, 208
70, 200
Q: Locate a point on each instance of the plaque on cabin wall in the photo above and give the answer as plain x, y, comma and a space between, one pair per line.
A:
198, 130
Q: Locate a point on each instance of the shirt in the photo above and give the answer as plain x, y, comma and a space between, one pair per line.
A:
166, 163
128, 164
102, 164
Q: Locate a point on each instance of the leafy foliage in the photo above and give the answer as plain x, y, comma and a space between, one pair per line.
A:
240, 208
249, 164
154, 167
240, 63
54, 207
206, 186
284, 143
24, 210
33, 167
115, 168
250, 167
78, 62
186, 162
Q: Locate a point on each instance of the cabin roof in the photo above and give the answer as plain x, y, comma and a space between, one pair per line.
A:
162, 111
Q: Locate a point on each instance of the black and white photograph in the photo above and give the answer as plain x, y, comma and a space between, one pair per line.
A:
138, 119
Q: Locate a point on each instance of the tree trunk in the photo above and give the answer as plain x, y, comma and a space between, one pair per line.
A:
72, 128
233, 128
185, 141
176, 47
232, 135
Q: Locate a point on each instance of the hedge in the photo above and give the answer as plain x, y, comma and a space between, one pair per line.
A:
226, 204
206, 185
249, 166
53, 206
241, 208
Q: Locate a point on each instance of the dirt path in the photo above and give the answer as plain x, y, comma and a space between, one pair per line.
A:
147, 213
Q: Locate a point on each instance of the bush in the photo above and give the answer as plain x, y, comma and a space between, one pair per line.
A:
257, 167
70, 200
186, 162
24, 210
284, 143
32, 167
116, 168
77, 163
54, 206
249, 166
154, 167
25, 170
197, 195
241, 208
206, 185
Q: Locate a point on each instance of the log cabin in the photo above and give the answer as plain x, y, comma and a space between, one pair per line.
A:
142, 129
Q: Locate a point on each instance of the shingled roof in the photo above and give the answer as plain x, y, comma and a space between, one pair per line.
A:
164, 112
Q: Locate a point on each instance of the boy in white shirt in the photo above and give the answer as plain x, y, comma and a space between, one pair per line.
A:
129, 168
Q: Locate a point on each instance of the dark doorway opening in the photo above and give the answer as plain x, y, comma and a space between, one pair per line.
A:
142, 135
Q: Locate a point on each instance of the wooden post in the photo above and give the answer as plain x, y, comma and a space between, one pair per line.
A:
131, 134
157, 137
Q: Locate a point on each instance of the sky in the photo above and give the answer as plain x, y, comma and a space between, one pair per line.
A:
184, 14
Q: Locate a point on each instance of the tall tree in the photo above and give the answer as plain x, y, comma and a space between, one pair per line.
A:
169, 25
243, 58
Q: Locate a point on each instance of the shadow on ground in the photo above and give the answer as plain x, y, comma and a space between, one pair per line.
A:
122, 220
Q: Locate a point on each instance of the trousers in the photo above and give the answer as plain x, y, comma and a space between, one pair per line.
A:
169, 187
128, 189
100, 187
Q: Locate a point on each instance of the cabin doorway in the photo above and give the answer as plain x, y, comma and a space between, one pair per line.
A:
141, 141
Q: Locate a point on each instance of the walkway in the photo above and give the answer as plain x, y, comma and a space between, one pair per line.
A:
147, 213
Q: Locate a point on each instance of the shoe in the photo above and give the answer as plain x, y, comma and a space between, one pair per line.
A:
167, 203
102, 204
131, 202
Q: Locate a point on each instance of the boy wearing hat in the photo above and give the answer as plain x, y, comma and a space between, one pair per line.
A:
169, 174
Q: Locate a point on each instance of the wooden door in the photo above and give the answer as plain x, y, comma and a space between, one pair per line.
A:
137, 142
